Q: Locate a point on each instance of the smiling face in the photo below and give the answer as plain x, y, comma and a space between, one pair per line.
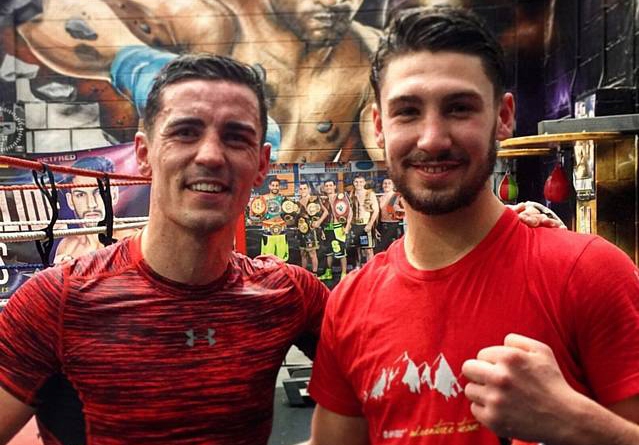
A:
304, 191
359, 183
329, 188
274, 187
87, 203
318, 22
387, 185
438, 122
203, 155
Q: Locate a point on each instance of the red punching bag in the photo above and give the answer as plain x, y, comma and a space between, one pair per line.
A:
557, 186
508, 189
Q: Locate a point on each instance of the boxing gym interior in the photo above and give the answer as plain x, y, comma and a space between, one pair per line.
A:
66, 120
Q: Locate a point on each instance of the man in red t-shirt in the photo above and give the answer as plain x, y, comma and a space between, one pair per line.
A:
169, 337
472, 329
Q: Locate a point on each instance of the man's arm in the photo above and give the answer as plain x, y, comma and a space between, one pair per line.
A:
321, 219
13, 415
517, 390
330, 428
375, 214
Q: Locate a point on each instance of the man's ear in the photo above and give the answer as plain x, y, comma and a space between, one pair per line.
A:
506, 117
377, 123
70, 200
141, 142
264, 162
115, 195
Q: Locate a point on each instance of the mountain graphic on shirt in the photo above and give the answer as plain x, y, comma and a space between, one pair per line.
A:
404, 373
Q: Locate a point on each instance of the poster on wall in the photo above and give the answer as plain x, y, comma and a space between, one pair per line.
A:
28, 210
584, 154
293, 215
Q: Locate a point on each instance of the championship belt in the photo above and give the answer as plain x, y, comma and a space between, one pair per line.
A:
289, 209
313, 208
341, 208
273, 206
302, 226
258, 206
274, 226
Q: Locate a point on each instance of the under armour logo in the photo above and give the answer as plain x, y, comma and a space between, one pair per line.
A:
191, 337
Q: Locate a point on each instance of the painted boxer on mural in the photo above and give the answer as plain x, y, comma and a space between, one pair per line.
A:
391, 215
335, 230
312, 214
101, 40
365, 213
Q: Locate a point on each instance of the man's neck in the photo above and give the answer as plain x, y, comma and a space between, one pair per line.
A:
436, 241
186, 257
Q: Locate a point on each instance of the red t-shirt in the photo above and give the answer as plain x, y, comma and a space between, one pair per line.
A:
394, 338
109, 352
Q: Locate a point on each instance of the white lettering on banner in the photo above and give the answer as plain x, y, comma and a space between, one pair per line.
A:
22, 206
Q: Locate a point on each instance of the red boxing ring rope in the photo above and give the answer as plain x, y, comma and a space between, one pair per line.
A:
35, 165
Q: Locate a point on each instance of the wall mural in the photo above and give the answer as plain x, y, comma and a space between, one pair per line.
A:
74, 75
77, 71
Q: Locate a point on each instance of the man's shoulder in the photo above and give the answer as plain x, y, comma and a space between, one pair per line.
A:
107, 260
262, 265
274, 273
559, 249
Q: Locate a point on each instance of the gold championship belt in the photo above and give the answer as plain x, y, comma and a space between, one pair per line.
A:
275, 226
258, 206
341, 207
289, 209
313, 209
302, 226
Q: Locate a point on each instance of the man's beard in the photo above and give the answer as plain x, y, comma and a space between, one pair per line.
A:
434, 202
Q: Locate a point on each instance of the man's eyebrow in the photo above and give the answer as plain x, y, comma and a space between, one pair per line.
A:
241, 126
187, 120
464, 95
404, 98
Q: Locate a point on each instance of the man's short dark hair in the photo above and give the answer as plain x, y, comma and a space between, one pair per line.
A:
95, 163
205, 67
440, 28
272, 180
326, 181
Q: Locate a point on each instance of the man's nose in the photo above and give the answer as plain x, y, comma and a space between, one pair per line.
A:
434, 133
93, 200
210, 151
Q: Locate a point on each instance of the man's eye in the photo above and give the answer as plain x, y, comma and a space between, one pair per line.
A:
405, 113
185, 132
460, 109
238, 138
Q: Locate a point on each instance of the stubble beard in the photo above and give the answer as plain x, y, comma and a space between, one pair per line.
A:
436, 202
